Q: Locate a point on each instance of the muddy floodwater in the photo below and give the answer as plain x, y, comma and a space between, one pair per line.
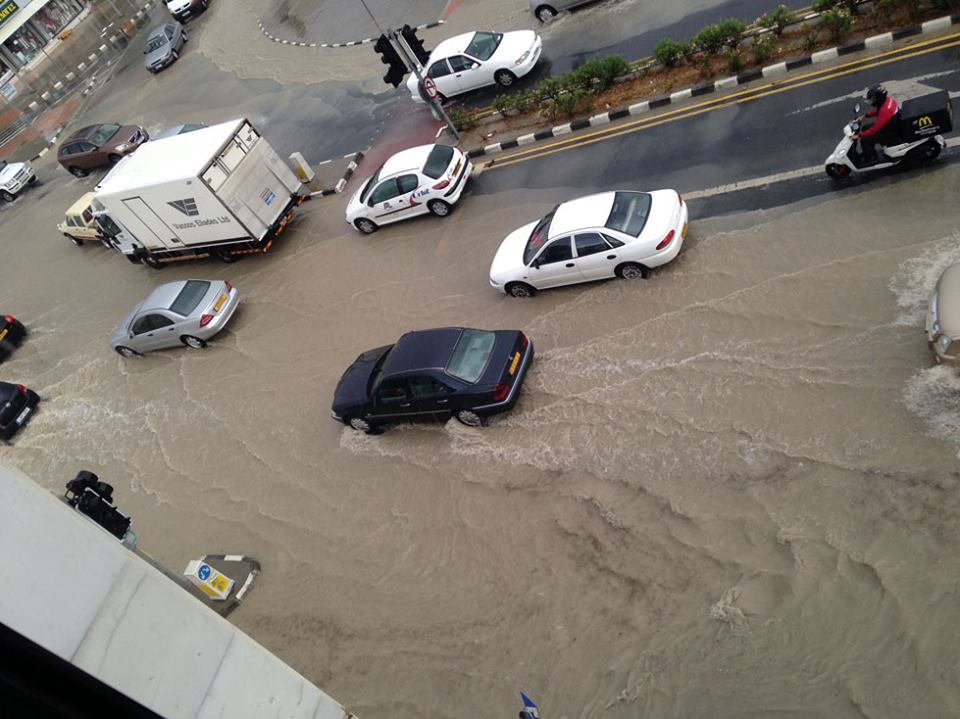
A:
730, 490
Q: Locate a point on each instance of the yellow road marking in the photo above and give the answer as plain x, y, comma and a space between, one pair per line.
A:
718, 103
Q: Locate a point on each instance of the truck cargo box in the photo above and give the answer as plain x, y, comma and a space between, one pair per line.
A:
926, 116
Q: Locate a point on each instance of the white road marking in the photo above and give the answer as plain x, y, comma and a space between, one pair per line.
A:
771, 179
900, 89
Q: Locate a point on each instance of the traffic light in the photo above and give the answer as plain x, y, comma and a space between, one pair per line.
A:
410, 35
390, 56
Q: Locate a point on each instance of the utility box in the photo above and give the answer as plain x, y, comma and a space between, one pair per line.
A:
926, 116
215, 585
302, 168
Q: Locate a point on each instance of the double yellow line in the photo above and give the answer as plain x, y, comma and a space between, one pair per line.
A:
717, 103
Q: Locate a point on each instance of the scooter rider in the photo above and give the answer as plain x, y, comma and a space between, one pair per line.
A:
884, 127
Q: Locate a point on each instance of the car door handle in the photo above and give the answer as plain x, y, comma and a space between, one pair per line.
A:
170, 329
570, 264
405, 405
442, 401
611, 257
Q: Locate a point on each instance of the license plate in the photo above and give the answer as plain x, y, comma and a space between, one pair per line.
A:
516, 361
216, 307
456, 168
22, 416
3, 333
683, 234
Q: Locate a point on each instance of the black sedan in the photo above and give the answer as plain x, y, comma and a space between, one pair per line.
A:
12, 333
16, 405
431, 375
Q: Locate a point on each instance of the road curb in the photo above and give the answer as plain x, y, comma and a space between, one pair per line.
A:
718, 85
297, 43
342, 182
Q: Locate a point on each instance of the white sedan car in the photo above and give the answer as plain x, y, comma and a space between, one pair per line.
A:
429, 178
476, 59
611, 234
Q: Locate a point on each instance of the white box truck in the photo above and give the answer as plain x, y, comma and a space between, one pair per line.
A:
220, 191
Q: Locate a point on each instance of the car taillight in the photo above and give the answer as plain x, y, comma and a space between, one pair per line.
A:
680, 197
523, 342
9, 318
666, 240
205, 320
440, 185
21, 389
228, 285
500, 392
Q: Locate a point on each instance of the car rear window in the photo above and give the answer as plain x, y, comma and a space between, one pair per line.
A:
629, 212
190, 297
438, 161
104, 133
471, 355
538, 237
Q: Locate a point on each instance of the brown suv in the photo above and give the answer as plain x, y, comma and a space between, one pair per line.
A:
98, 145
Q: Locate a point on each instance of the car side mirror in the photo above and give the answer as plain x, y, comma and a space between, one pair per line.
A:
536, 264
475, 65
856, 108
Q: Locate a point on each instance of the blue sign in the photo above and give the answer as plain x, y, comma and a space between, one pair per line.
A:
204, 572
270, 198
530, 710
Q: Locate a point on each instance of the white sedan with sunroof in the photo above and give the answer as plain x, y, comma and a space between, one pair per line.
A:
429, 178
611, 234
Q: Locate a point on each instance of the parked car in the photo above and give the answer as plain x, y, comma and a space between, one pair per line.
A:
12, 333
180, 130
17, 404
98, 145
185, 9
943, 318
477, 59
429, 178
188, 312
434, 374
611, 234
545, 11
78, 224
14, 176
163, 46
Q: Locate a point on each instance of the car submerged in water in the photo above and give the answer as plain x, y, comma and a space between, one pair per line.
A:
432, 375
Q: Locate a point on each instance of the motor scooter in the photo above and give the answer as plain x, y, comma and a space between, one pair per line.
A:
847, 159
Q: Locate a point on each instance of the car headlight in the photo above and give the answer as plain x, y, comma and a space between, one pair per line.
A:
523, 58
943, 343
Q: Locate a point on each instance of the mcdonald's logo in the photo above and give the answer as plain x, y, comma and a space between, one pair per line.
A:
924, 121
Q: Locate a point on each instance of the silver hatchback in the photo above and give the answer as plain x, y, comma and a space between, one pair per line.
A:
188, 312
163, 46
545, 10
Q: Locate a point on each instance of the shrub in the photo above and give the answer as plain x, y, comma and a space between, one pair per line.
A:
461, 118
515, 102
810, 38
822, 5
884, 10
779, 19
913, 9
710, 39
568, 104
734, 61
669, 53
836, 21
731, 31
762, 48
598, 73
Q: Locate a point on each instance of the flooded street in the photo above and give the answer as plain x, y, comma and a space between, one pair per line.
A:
727, 491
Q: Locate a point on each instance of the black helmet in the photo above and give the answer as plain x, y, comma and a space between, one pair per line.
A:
876, 96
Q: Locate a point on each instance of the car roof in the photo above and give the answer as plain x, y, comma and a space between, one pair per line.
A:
422, 349
85, 132
163, 296
81, 204
452, 45
159, 29
413, 158
589, 211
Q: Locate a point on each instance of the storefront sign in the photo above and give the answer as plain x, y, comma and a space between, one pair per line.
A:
7, 9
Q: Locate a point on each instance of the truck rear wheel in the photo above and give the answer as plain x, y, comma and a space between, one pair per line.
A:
75, 240
225, 256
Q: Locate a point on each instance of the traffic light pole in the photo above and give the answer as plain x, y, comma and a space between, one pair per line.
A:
415, 68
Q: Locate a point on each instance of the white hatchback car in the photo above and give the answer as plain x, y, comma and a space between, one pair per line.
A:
611, 234
429, 178
476, 59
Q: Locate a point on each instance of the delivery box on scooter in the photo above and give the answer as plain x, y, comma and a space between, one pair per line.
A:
926, 116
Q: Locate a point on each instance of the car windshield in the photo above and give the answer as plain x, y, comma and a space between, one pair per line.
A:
155, 42
471, 355
538, 237
103, 133
190, 297
629, 212
438, 161
3, 163
377, 372
484, 44
370, 185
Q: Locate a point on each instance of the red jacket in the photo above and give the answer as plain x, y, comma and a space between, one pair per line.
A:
887, 110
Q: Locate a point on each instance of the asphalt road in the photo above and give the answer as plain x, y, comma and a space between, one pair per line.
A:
785, 129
